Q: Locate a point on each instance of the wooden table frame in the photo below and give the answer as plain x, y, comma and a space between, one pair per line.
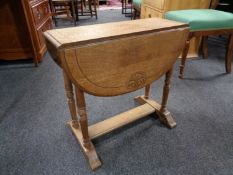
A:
205, 34
107, 62
85, 133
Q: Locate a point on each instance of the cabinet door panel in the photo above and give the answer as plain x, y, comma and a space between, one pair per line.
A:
155, 3
151, 13
186, 4
46, 26
40, 12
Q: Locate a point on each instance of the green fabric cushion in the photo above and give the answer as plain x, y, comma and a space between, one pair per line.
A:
137, 3
202, 19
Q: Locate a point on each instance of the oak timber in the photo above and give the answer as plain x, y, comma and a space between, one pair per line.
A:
114, 59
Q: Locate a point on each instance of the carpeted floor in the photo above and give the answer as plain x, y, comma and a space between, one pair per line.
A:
35, 140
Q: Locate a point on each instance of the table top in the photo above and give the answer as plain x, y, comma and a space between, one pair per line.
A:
76, 36
116, 58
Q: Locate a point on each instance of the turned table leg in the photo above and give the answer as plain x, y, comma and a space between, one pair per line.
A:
71, 101
83, 117
164, 115
82, 133
229, 54
166, 89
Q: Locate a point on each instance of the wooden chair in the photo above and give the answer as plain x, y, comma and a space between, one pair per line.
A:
65, 8
113, 59
87, 8
127, 8
203, 23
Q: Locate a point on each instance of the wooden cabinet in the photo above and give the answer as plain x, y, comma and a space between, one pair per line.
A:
162, 6
21, 25
158, 8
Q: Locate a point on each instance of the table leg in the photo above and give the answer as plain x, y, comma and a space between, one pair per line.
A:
71, 101
147, 91
164, 115
83, 116
166, 89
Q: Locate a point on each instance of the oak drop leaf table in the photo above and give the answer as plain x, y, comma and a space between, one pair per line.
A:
113, 59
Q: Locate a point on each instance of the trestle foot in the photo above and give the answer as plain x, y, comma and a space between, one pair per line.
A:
89, 152
165, 117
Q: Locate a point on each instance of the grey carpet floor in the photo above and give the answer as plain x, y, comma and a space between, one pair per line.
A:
35, 140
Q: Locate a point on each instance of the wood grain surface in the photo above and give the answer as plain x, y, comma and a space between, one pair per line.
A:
113, 59
117, 58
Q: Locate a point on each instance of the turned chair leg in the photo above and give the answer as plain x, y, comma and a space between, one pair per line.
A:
95, 10
83, 117
90, 7
73, 12
229, 53
71, 101
147, 91
134, 14
183, 59
82, 4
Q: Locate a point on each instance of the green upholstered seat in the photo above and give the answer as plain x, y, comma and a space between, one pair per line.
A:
202, 19
137, 3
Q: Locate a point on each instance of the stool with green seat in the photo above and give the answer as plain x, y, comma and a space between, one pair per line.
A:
137, 8
205, 22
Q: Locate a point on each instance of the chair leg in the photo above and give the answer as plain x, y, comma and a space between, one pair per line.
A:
73, 12
204, 47
122, 6
184, 57
90, 8
53, 12
82, 4
55, 21
95, 10
134, 13
229, 53
76, 9
98, 4
67, 7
